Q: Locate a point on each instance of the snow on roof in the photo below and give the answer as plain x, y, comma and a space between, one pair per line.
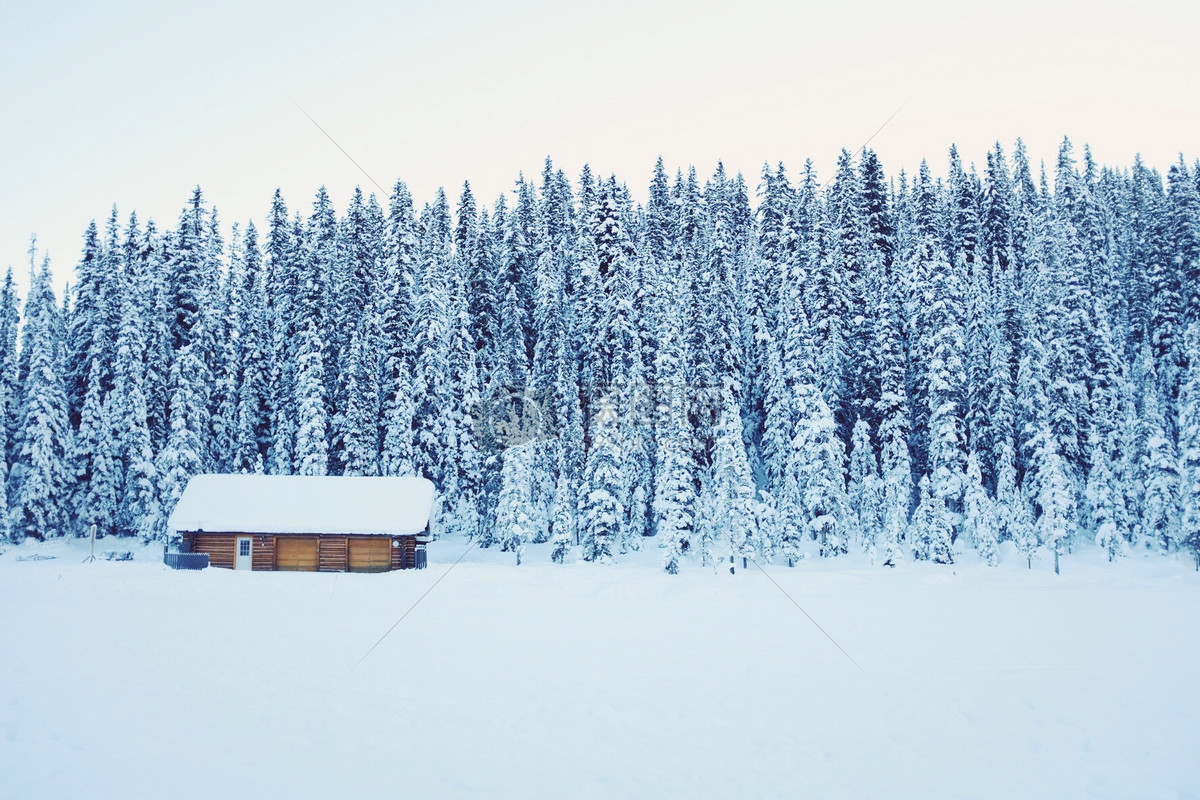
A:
303, 504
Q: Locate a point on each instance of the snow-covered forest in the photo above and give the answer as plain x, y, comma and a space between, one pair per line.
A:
907, 365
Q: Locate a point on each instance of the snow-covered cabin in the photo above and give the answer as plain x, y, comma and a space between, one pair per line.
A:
306, 524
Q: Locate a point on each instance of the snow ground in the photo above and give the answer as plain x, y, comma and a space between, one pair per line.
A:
130, 680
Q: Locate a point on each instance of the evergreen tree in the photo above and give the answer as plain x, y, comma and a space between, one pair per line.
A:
931, 531
818, 464
1103, 493
674, 480
1056, 499
733, 494
1022, 526
1160, 470
980, 520
38, 481
397, 455
603, 486
1189, 447
9, 387
312, 445
95, 460
514, 522
864, 492
361, 414
184, 454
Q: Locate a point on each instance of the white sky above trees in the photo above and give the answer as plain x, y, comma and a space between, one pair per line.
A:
135, 104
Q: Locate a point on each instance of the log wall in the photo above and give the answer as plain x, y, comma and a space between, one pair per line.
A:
262, 553
332, 552
219, 546
404, 556
331, 556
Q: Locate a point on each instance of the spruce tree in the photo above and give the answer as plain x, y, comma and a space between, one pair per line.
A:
1189, 447
9, 387
312, 445
674, 481
1056, 499
980, 520
38, 480
864, 492
818, 461
185, 454
515, 526
931, 529
1160, 471
604, 486
733, 493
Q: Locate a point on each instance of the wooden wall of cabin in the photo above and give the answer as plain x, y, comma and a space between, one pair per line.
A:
332, 553
404, 556
219, 546
262, 553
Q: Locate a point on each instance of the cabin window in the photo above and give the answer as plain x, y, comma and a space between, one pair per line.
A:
244, 547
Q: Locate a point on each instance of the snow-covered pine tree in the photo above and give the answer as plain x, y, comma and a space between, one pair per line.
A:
947, 456
88, 336
312, 444
1056, 498
570, 449
674, 481
5, 517
397, 313
38, 480
360, 416
282, 295
604, 485
1189, 446
189, 272
10, 321
818, 460
140, 513
464, 484
252, 417
930, 531
863, 490
1104, 493
893, 413
185, 452
230, 319
896, 475
95, 460
515, 526
1021, 525
544, 375
397, 455
1160, 475
731, 486
980, 520
1183, 197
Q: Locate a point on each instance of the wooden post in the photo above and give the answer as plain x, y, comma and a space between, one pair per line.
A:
1055, 560
92, 533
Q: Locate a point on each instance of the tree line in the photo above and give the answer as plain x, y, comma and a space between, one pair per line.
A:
911, 366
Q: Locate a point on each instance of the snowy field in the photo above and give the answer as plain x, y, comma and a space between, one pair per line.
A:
130, 680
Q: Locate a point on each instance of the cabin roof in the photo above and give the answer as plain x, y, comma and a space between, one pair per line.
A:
283, 504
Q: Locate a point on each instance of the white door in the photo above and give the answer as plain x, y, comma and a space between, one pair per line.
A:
242, 561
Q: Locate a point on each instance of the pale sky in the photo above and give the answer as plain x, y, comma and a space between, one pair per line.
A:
136, 103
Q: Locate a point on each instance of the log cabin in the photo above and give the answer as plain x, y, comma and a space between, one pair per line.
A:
304, 523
